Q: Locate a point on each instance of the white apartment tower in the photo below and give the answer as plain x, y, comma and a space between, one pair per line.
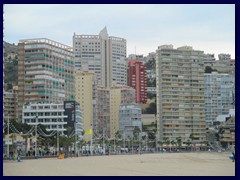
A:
102, 54
180, 93
219, 95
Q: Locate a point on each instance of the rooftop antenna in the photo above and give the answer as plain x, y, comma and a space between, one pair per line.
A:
135, 51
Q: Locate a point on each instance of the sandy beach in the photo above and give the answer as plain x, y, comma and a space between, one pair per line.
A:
162, 164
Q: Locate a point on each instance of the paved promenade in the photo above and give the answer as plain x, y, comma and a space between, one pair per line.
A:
163, 164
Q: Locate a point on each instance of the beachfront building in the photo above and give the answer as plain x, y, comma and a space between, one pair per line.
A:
45, 72
86, 97
109, 101
129, 119
180, 94
50, 115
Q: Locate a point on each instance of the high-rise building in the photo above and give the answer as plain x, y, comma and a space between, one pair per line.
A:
102, 54
180, 94
86, 96
45, 71
138, 80
129, 119
109, 101
219, 95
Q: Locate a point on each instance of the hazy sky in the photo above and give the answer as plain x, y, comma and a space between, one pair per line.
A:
210, 28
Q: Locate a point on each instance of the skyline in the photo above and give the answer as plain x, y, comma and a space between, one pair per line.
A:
210, 28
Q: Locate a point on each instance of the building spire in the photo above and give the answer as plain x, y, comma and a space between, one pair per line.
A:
103, 33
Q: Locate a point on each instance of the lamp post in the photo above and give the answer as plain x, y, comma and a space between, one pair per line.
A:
36, 135
156, 141
57, 142
8, 139
114, 141
91, 148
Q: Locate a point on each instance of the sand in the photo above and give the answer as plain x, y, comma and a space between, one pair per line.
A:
161, 164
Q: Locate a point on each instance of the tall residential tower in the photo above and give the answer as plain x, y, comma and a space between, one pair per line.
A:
102, 54
180, 93
45, 72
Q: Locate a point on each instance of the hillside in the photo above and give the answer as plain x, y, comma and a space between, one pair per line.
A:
10, 65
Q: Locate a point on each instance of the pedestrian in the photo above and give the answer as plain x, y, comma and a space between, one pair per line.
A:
233, 156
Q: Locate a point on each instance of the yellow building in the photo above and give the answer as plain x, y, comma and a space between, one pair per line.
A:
85, 96
109, 101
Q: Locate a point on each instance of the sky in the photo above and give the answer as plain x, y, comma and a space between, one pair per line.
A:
209, 27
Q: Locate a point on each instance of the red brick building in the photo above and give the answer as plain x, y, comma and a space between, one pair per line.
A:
137, 78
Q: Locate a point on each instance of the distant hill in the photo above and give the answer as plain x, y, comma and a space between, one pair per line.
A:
9, 48
10, 65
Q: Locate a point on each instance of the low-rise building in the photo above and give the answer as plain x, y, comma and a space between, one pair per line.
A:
129, 118
50, 115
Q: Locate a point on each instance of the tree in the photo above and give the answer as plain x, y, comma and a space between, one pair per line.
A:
208, 69
179, 142
160, 143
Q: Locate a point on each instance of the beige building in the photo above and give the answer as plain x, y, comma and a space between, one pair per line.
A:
180, 93
109, 101
86, 97
45, 72
102, 54
10, 101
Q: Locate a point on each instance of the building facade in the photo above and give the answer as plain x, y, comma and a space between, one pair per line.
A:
50, 115
129, 119
180, 93
45, 71
74, 118
102, 54
138, 80
86, 97
219, 95
109, 101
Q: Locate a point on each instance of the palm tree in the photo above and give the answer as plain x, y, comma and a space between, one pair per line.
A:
25, 137
160, 144
166, 141
179, 142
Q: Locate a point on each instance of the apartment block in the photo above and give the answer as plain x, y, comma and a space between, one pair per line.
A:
50, 115
129, 118
102, 54
86, 97
109, 101
138, 80
45, 71
219, 95
180, 93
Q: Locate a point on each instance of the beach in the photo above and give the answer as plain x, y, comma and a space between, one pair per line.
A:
158, 164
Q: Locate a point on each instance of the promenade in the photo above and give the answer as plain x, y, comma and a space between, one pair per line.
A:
160, 164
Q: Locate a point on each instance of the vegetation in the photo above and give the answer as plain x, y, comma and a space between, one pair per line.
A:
151, 64
208, 69
10, 65
151, 109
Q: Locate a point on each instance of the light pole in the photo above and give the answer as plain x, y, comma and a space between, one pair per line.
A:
36, 135
156, 141
8, 139
57, 142
103, 141
91, 148
114, 141
124, 140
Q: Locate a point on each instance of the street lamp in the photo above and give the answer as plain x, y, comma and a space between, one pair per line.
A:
114, 140
8, 139
36, 134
